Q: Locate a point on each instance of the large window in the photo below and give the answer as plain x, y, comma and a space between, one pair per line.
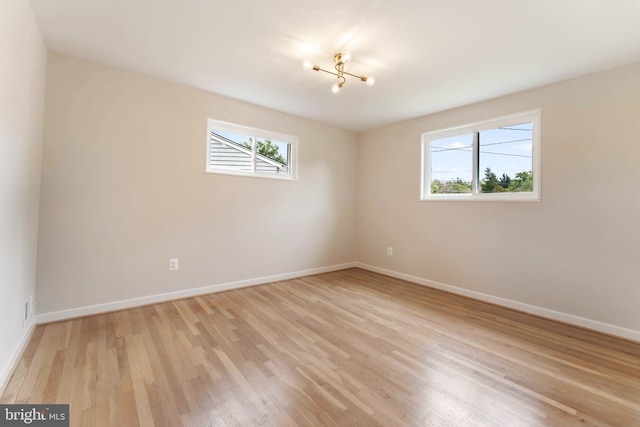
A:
239, 150
496, 159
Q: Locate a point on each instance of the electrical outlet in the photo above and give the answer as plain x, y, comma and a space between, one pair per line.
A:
174, 264
390, 251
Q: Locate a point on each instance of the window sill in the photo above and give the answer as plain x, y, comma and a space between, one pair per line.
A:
482, 198
279, 177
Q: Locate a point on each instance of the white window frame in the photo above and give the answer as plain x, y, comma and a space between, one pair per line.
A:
533, 116
291, 175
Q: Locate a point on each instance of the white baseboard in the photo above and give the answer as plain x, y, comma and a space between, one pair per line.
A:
527, 308
8, 369
152, 299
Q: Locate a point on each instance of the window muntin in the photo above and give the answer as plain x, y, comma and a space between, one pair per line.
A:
239, 150
492, 160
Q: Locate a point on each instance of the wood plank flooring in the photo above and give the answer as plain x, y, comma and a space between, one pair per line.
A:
338, 349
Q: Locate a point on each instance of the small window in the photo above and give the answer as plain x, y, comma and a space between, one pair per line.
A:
496, 159
239, 150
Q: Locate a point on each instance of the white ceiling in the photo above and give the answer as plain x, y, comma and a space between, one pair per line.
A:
426, 55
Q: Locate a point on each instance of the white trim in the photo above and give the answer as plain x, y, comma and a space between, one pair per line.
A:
281, 176
483, 197
9, 368
594, 325
606, 328
151, 299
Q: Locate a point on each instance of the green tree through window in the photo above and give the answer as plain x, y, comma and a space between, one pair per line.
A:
491, 184
450, 187
268, 149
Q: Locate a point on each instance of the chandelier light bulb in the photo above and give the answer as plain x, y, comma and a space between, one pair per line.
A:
335, 88
370, 81
307, 65
346, 57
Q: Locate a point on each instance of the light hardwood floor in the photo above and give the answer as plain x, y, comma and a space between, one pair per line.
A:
344, 348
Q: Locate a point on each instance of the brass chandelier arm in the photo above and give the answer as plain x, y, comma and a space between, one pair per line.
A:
363, 78
316, 68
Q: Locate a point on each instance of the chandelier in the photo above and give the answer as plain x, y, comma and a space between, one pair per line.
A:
339, 59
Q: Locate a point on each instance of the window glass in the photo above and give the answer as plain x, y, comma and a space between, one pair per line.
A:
506, 159
273, 156
451, 160
230, 151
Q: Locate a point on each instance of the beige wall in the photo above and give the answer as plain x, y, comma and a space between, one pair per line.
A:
575, 252
124, 190
22, 78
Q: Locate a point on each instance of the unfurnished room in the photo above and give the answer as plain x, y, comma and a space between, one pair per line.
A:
292, 213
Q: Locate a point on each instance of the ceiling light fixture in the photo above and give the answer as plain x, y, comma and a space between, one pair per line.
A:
339, 59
